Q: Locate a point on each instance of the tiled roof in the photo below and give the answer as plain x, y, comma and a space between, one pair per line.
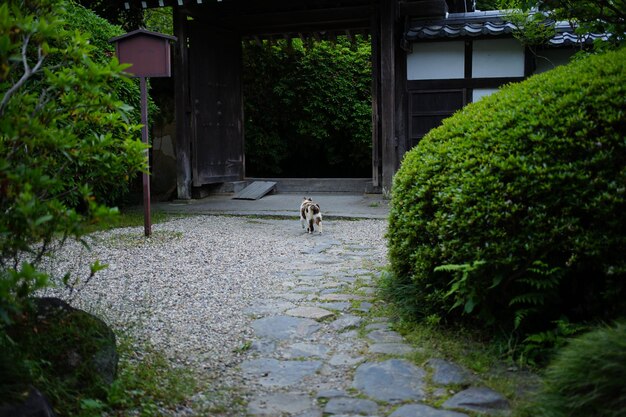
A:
488, 23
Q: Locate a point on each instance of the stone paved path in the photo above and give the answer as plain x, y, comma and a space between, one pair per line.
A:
317, 352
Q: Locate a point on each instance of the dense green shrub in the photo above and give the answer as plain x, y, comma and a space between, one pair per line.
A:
308, 109
514, 210
66, 142
586, 378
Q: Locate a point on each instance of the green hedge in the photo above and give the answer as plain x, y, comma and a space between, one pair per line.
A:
514, 210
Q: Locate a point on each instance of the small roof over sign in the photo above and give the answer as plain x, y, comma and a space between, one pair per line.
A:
142, 32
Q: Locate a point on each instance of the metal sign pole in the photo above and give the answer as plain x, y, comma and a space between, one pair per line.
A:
147, 223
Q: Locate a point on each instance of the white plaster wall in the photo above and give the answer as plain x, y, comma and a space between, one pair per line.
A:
479, 93
493, 58
436, 61
551, 58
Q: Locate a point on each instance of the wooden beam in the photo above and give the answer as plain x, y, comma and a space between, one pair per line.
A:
423, 8
339, 16
182, 109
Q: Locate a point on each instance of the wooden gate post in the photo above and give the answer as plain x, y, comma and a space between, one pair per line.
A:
387, 92
182, 106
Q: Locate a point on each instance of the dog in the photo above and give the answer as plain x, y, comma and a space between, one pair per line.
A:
310, 215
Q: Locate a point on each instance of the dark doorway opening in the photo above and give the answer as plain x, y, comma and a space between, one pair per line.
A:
308, 107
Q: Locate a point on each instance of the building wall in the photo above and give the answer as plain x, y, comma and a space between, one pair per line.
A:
443, 76
548, 59
436, 61
493, 58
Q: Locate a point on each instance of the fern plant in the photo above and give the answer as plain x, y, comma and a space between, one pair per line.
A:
541, 282
463, 293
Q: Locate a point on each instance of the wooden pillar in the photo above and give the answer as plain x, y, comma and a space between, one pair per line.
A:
182, 107
388, 45
401, 97
376, 145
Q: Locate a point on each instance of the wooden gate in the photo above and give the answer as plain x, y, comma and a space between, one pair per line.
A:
216, 104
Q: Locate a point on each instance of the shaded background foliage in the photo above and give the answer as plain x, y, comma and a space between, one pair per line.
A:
308, 109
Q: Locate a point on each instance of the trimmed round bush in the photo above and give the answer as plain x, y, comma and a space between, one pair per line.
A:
586, 378
514, 210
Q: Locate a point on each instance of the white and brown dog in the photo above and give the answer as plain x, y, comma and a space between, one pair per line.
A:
310, 215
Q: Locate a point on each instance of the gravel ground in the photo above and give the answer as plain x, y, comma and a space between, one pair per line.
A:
185, 289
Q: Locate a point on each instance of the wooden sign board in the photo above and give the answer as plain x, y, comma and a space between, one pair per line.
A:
147, 52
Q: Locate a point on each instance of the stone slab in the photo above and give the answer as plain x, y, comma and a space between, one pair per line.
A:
341, 359
276, 374
344, 405
368, 290
268, 307
391, 348
364, 307
393, 381
331, 393
414, 410
263, 347
294, 296
346, 322
479, 399
305, 289
448, 373
377, 326
385, 336
340, 305
340, 297
314, 313
284, 327
310, 273
306, 350
271, 405
255, 190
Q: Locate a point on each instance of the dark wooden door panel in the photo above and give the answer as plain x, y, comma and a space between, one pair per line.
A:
216, 100
427, 108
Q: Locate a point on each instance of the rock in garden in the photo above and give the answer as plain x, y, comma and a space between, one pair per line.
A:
415, 410
448, 373
284, 327
35, 405
275, 373
314, 313
272, 405
343, 405
481, 400
392, 381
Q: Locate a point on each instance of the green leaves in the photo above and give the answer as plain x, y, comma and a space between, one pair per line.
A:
526, 180
15, 286
66, 144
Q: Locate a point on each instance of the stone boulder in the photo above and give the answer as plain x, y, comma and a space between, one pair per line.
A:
95, 348
35, 405
78, 348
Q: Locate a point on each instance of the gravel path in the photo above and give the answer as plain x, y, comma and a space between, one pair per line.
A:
187, 288
278, 320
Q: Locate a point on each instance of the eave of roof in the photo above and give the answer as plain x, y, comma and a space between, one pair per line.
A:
487, 23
